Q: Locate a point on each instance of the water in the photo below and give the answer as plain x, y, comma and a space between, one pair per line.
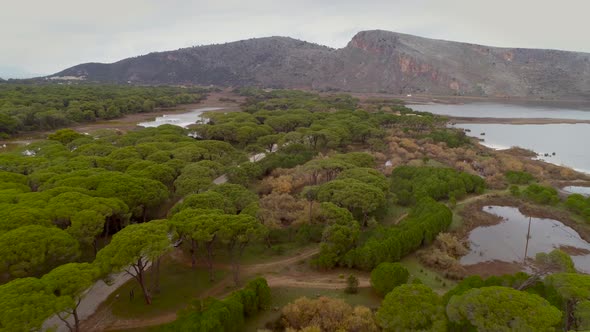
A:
578, 190
179, 119
506, 111
568, 141
506, 241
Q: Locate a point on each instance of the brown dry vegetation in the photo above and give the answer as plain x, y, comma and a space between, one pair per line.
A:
443, 255
407, 148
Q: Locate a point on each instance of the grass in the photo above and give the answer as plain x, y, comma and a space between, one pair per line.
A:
256, 253
284, 295
457, 221
393, 213
179, 285
428, 276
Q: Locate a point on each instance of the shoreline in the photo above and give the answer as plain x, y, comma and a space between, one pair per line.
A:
129, 121
514, 121
421, 99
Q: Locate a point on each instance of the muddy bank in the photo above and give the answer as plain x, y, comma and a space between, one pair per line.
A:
493, 268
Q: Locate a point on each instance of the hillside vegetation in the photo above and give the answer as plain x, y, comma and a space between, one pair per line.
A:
339, 199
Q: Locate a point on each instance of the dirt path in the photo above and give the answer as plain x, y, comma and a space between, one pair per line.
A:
332, 281
104, 320
400, 218
224, 286
91, 302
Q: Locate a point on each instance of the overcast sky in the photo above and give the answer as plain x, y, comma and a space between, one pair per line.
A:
46, 36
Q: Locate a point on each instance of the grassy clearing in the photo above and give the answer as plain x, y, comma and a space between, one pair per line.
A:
457, 222
282, 296
393, 213
428, 276
179, 285
254, 253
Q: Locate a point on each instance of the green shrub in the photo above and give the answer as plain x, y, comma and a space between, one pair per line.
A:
410, 184
426, 220
518, 177
541, 194
352, 284
386, 276
225, 315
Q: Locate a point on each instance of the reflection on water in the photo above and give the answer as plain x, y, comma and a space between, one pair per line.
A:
566, 140
179, 119
577, 190
507, 241
506, 111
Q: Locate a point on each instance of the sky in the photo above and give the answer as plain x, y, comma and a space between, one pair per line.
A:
41, 37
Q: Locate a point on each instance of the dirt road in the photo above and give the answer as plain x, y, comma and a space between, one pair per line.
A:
278, 273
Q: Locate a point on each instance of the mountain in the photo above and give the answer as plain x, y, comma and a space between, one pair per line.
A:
373, 61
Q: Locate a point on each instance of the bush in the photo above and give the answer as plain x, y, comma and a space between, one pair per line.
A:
223, 315
386, 276
326, 314
453, 138
541, 194
579, 205
410, 184
517, 177
514, 190
426, 220
352, 284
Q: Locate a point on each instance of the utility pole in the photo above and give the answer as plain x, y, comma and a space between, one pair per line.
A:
528, 235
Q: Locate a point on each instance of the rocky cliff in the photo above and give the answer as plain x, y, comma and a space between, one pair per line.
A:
373, 61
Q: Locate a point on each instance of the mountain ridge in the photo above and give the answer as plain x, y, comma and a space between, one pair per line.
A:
372, 61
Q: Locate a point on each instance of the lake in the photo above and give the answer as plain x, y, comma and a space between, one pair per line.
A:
179, 119
568, 141
504, 111
577, 190
507, 240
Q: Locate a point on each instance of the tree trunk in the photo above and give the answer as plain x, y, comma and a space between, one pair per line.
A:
193, 253
107, 228
235, 267
310, 210
209, 247
76, 318
68, 325
143, 214
95, 246
140, 279
569, 313
235, 258
156, 275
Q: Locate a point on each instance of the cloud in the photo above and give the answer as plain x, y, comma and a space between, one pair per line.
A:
47, 36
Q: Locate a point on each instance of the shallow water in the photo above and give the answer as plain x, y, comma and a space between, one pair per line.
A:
578, 190
508, 111
179, 119
568, 141
507, 241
